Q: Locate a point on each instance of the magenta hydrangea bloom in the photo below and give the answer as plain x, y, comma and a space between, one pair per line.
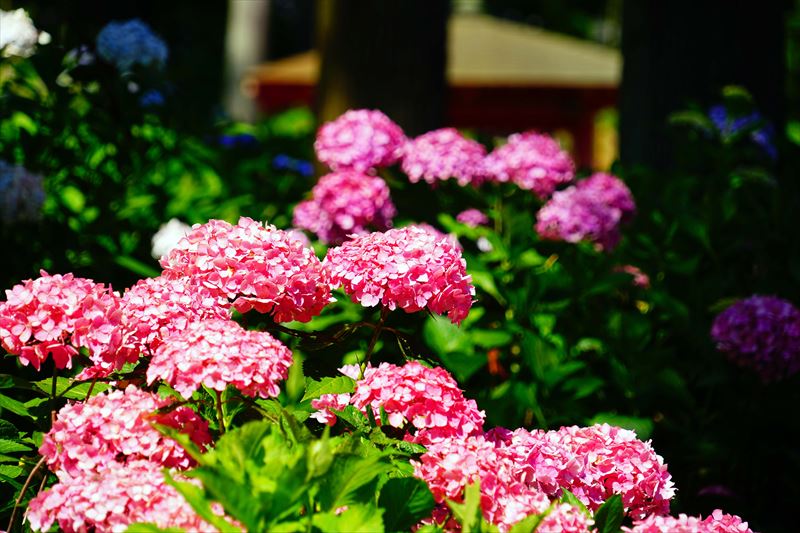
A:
444, 154
472, 218
533, 161
256, 267
716, 522
113, 498
360, 140
761, 333
594, 463
590, 211
117, 427
346, 203
56, 315
218, 353
640, 279
409, 268
565, 518
425, 401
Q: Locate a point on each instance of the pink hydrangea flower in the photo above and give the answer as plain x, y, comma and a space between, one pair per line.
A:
360, 140
761, 333
443, 154
594, 463
112, 498
716, 522
346, 203
56, 315
257, 267
533, 161
590, 211
117, 427
218, 353
409, 268
640, 279
472, 218
426, 401
565, 518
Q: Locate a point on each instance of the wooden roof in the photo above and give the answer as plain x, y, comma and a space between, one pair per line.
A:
486, 51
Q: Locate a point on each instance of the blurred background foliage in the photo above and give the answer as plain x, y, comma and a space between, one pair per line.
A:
558, 335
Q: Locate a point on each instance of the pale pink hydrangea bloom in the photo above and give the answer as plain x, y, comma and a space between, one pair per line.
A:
346, 203
443, 154
56, 315
594, 463
114, 497
257, 267
590, 211
299, 236
533, 161
117, 427
716, 522
218, 353
409, 268
564, 518
472, 218
360, 140
426, 401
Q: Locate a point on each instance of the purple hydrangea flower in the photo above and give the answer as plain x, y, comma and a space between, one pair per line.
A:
761, 333
729, 126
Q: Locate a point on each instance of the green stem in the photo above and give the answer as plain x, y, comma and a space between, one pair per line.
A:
375, 335
23, 490
220, 416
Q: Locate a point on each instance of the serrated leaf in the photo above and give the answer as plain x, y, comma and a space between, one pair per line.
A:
608, 517
11, 471
346, 475
328, 385
70, 388
356, 519
195, 497
408, 501
8, 430
353, 417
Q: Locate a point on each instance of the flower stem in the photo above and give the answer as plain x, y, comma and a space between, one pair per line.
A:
375, 335
23, 490
220, 416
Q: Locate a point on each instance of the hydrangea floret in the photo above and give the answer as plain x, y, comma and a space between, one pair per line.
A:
18, 36
218, 353
360, 140
346, 203
56, 315
472, 217
444, 154
407, 268
113, 498
130, 43
254, 266
761, 333
118, 427
716, 522
533, 161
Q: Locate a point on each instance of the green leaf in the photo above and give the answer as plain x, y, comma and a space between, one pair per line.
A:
195, 497
353, 417
328, 385
570, 498
8, 430
408, 501
469, 513
445, 337
642, 426
7, 446
147, 527
136, 266
73, 198
16, 407
490, 338
528, 524
346, 475
74, 390
608, 517
11, 471
356, 519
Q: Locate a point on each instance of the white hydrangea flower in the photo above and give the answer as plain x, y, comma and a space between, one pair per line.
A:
168, 236
18, 35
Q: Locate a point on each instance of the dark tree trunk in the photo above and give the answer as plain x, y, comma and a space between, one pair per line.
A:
685, 51
387, 55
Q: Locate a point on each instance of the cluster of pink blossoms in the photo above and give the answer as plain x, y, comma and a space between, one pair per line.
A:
114, 498
532, 161
640, 279
472, 218
414, 397
257, 267
443, 154
346, 203
761, 333
590, 211
716, 522
117, 426
360, 140
56, 315
218, 353
409, 268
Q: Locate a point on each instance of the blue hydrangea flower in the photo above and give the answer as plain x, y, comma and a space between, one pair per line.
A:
125, 44
21, 194
728, 127
151, 98
241, 140
284, 162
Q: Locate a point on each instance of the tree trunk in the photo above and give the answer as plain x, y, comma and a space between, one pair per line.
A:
685, 51
386, 55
